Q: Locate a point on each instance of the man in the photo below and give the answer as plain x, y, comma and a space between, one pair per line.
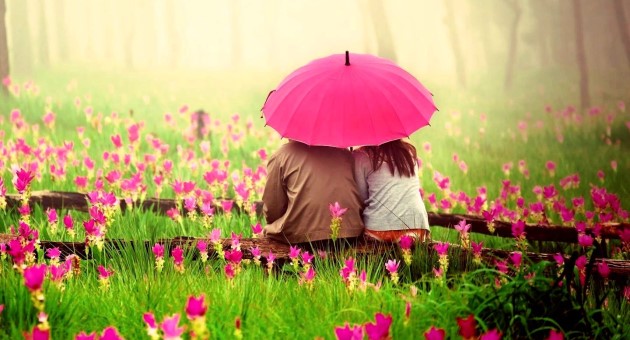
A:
302, 181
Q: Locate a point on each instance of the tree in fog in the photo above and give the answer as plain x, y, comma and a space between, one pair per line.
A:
384, 40
580, 52
21, 40
453, 36
512, 42
4, 46
622, 24
43, 51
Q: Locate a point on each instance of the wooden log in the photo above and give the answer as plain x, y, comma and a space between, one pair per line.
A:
620, 268
555, 233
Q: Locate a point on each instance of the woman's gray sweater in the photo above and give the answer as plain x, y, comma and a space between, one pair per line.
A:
391, 202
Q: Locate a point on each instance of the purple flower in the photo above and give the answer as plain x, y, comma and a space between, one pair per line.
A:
380, 328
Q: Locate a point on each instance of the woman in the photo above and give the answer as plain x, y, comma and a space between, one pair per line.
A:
388, 184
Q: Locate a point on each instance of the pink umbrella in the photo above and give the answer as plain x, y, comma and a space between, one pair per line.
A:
351, 100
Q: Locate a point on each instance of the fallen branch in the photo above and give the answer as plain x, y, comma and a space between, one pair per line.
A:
533, 232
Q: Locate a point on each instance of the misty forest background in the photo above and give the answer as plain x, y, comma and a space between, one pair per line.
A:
581, 47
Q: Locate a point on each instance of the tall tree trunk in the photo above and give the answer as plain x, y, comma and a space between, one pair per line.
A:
21, 52
42, 36
384, 39
541, 12
622, 23
585, 100
513, 40
236, 32
454, 38
4, 46
59, 10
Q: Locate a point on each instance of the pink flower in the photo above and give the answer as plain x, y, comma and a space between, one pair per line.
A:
215, 235
336, 210
227, 205
178, 255
476, 247
202, 246
51, 213
158, 250
173, 213
103, 273
152, 326
255, 252
229, 270
117, 140
349, 333
34, 277
380, 328
257, 229
294, 252
110, 333
53, 253
84, 336
307, 258
38, 333
435, 334
196, 307
518, 229
555, 335
234, 256
603, 269
441, 248
558, 258
493, 334
405, 242
467, 326
308, 275
23, 179
462, 227
392, 266
170, 327
516, 258
585, 240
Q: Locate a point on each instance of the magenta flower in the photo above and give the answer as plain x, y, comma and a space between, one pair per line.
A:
23, 179
51, 214
336, 210
117, 141
435, 334
467, 326
170, 327
178, 255
256, 252
392, 266
173, 214
585, 240
152, 326
227, 205
38, 333
196, 307
229, 270
379, 329
53, 253
110, 333
555, 335
294, 252
34, 277
493, 334
103, 273
476, 247
518, 229
257, 229
271, 257
462, 227
516, 258
234, 256
349, 333
558, 258
502, 266
215, 235
441, 248
307, 258
603, 269
158, 250
405, 242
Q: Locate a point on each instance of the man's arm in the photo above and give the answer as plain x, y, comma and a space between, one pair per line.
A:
274, 197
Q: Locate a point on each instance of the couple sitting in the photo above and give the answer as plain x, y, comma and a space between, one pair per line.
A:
378, 185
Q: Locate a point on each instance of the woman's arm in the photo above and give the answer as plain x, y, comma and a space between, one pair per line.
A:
360, 174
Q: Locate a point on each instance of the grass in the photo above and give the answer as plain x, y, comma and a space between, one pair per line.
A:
277, 306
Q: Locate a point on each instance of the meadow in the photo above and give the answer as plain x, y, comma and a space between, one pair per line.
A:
523, 156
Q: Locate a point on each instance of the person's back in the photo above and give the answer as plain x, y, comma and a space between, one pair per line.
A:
302, 181
391, 193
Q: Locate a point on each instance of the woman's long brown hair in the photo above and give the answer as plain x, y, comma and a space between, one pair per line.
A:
397, 154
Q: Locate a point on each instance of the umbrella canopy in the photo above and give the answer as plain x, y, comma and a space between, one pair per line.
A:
348, 100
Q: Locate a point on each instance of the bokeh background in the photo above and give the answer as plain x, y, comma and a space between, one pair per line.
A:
500, 47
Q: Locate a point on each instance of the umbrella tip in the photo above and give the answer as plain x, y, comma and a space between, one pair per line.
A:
347, 58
